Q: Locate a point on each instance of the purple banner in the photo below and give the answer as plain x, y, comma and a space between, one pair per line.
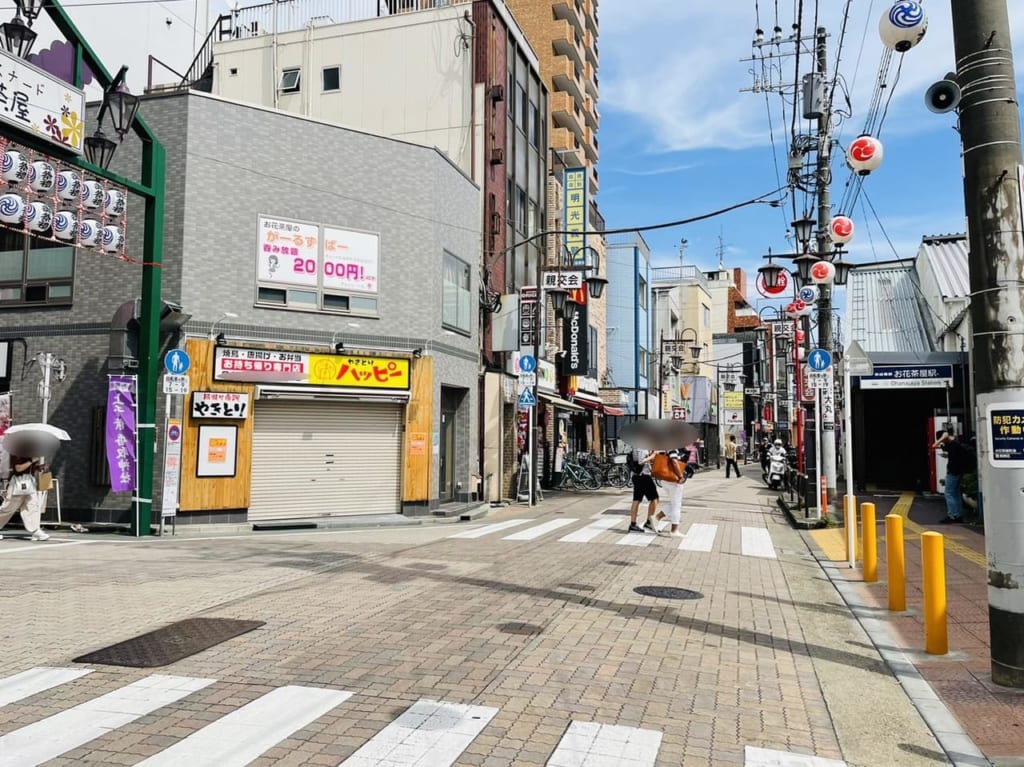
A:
121, 433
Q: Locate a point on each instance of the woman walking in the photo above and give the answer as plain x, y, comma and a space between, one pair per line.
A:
23, 495
674, 491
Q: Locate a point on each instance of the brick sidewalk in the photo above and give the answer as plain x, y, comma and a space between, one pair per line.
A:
992, 716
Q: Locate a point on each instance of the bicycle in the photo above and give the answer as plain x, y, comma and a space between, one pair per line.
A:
577, 477
608, 472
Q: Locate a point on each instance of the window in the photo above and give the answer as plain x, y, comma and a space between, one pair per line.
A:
455, 305
331, 77
641, 292
533, 125
707, 315
291, 80
520, 209
643, 363
34, 271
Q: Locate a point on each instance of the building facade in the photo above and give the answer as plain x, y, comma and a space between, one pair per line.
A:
629, 337
325, 299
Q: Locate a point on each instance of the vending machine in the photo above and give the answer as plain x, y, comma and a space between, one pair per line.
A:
937, 426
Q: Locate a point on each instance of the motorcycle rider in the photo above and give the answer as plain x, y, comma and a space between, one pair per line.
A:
777, 455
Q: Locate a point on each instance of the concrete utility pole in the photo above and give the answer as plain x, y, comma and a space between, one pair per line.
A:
826, 421
990, 135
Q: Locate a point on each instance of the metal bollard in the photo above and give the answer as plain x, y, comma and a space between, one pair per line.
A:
850, 525
933, 565
870, 536
895, 563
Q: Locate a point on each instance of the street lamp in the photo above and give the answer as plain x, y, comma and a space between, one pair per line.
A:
589, 264
18, 36
803, 228
122, 106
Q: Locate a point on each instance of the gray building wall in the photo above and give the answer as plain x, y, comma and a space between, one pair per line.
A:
226, 164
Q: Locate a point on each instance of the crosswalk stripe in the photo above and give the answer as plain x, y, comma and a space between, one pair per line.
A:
536, 532
699, 537
591, 531
757, 542
238, 738
35, 680
636, 539
586, 743
428, 733
60, 733
480, 532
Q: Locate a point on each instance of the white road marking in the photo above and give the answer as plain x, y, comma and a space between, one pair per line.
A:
55, 735
699, 537
756, 542
591, 531
428, 734
766, 757
588, 744
41, 546
238, 738
536, 532
35, 680
637, 539
480, 532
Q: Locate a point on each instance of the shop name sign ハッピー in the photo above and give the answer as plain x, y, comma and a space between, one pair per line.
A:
301, 368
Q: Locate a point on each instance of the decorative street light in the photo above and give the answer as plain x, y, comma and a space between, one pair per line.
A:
803, 228
122, 107
18, 36
589, 265
673, 348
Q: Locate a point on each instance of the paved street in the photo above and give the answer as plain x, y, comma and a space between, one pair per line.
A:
515, 639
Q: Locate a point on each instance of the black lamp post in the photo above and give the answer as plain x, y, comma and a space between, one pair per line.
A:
18, 36
803, 228
122, 107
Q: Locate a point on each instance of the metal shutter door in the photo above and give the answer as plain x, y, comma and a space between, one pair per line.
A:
312, 459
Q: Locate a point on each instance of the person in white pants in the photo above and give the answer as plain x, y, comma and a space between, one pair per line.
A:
30, 505
674, 492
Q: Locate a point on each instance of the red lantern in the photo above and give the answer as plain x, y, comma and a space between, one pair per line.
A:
823, 272
864, 154
800, 335
840, 230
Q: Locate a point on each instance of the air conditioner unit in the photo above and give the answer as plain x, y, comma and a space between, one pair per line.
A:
497, 155
497, 93
495, 223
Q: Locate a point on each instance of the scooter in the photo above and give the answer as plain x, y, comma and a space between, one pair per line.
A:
775, 477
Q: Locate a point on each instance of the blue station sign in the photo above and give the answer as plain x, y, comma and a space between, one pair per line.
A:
909, 377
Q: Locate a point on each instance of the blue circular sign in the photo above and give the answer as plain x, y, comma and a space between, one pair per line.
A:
819, 360
177, 362
527, 363
174, 432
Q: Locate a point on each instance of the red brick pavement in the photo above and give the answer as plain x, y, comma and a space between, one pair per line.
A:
992, 716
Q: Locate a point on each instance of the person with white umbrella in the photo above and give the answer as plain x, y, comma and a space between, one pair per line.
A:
28, 444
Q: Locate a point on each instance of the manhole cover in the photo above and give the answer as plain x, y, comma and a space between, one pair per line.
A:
525, 629
667, 592
171, 643
620, 563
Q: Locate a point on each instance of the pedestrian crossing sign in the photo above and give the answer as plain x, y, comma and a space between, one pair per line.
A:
526, 399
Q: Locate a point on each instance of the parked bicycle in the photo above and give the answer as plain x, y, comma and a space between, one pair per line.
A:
575, 476
609, 472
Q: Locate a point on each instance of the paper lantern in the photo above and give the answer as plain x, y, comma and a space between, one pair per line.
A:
92, 195
12, 208
113, 203
791, 311
903, 26
89, 232
112, 239
41, 176
15, 167
809, 294
864, 154
803, 309
65, 224
69, 186
39, 217
840, 230
800, 336
822, 273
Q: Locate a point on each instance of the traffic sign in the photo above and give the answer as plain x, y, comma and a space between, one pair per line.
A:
527, 363
177, 362
818, 380
819, 360
526, 399
527, 380
175, 384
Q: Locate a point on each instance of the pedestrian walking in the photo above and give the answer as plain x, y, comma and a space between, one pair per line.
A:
643, 488
23, 495
959, 461
674, 492
730, 456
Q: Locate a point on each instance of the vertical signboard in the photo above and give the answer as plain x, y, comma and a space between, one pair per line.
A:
528, 325
574, 181
121, 437
575, 337
828, 401
172, 467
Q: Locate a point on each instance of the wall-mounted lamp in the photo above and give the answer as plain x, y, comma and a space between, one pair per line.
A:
220, 340
339, 347
417, 353
225, 316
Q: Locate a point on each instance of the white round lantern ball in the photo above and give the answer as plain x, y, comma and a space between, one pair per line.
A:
903, 25
840, 230
12, 209
823, 272
864, 154
64, 225
89, 232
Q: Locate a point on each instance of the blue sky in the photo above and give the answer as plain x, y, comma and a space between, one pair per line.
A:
679, 139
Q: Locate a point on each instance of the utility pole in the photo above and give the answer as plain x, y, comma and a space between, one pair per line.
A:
990, 136
826, 418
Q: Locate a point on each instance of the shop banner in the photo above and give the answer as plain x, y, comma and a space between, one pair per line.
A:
575, 340
121, 433
347, 370
37, 102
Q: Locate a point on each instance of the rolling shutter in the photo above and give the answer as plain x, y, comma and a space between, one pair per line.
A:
314, 459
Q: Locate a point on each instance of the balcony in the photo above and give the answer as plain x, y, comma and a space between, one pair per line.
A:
570, 11
591, 16
594, 185
590, 144
596, 219
566, 77
564, 43
590, 114
565, 143
566, 113
590, 47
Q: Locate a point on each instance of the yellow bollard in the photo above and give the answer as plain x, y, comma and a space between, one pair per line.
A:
867, 516
849, 521
933, 565
894, 562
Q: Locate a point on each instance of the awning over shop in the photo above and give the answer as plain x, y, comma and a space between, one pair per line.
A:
609, 410
587, 401
559, 402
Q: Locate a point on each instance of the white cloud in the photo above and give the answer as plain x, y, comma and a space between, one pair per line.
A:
664, 170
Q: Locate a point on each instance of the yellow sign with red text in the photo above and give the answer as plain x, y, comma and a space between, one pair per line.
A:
358, 372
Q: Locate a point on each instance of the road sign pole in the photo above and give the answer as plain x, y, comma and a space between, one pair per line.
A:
851, 492
817, 448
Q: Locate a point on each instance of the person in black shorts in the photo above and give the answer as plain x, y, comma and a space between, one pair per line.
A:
643, 487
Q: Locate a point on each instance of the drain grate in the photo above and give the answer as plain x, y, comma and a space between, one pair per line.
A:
667, 592
170, 643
